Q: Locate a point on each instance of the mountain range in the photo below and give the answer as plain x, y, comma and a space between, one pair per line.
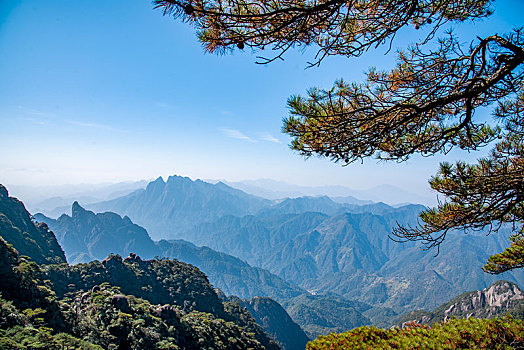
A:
87, 236
181, 291
231, 275
272, 189
317, 243
168, 208
311, 254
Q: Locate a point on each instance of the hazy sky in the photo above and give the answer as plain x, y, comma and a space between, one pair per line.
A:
102, 91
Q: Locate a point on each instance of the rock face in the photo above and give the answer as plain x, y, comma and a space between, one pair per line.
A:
27, 237
501, 298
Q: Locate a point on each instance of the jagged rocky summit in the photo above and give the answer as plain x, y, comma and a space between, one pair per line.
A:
499, 299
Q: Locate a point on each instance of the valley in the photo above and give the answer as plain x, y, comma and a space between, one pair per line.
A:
307, 253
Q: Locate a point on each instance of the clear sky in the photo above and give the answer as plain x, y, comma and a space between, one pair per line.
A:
103, 91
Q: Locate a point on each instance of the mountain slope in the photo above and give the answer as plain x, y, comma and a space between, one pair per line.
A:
87, 236
326, 314
307, 245
28, 238
276, 322
231, 275
96, 311
352, 255
168, 208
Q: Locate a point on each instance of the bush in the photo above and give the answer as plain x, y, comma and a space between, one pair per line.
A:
505, 333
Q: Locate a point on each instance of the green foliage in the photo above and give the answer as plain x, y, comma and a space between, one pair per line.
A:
172, 281
213, 333
241, 316
463, 334
310, 313
275, 321
511, 258
10, 316
105, 317
22, 284
347, 28
28, 238
169, 282
31, 338
100, 314
24, 330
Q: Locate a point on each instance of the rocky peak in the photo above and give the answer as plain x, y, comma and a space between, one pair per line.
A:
3, 192
498, 295
177, 178
77, 210
501, 292
159, 182
500, 298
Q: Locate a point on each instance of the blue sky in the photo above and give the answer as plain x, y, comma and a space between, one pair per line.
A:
105, 91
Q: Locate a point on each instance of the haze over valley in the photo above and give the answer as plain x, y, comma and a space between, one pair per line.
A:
294, 250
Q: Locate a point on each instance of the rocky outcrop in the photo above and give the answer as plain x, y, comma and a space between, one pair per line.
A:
501, 298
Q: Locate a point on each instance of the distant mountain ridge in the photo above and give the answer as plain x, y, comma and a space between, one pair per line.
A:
87, 236
272, 189
352, 255
168, 208
230, 274
320, 244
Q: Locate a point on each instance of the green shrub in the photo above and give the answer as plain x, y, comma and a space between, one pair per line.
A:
505, 333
